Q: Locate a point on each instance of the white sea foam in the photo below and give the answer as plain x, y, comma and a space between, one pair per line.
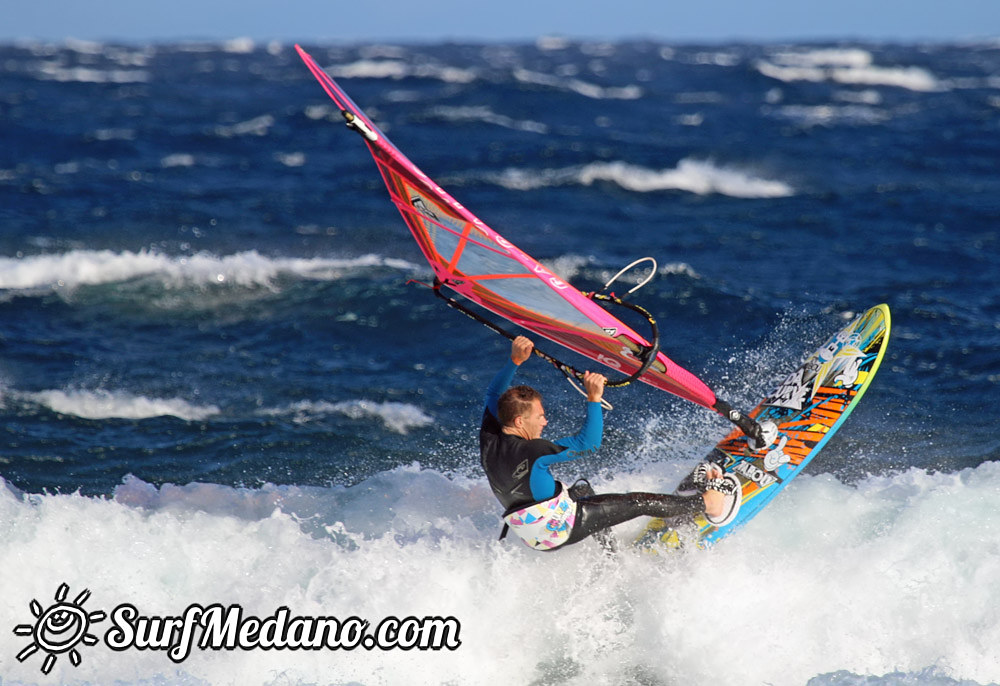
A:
180, 159
84, 47
239, 46
832, 580
117, 134
716, 59
54, 66
690, 119
126, 56
485, 114
372, 69
811, 115
552, 43
846, 66
398, 417
258, 126
912, 78
695, 176
291, 159
679, 268
865, 97
579, 86
401, 69
324, 111
570, 267
104, 404
247, 269
56, 71
826, 57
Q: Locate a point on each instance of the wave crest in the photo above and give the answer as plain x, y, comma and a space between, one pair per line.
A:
248, 269
846, 66
578, 86
104, 404
399, 69
694, 176
425, 541
398, 417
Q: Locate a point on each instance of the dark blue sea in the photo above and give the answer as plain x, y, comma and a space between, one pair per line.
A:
217, 385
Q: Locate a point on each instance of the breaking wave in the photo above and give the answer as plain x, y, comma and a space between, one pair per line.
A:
574, 85
847, 66
401, 69
397, 417
858, 596
103, 404
484, 114
693, 176
247, 269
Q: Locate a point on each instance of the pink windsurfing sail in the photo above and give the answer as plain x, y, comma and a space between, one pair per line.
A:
473, 260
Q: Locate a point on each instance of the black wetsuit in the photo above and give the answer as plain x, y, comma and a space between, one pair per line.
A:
518, 471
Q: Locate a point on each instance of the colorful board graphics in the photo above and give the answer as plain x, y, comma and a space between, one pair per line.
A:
807, 408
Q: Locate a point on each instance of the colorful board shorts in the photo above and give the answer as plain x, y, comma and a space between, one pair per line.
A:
547, 524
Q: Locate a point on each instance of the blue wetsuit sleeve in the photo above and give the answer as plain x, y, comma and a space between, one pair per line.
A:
588, 440
499, 384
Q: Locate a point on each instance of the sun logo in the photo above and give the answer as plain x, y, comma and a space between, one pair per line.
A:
59, 629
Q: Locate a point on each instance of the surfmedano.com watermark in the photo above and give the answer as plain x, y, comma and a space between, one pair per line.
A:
62, 627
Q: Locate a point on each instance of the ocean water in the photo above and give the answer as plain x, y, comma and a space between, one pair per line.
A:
218, 387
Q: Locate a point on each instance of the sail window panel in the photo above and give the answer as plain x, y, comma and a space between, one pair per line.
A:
480, 259
536, 296
477, 260
445, 242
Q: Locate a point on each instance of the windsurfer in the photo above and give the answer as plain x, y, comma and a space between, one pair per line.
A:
540, 510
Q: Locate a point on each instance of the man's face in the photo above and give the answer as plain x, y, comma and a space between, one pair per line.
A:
534, 421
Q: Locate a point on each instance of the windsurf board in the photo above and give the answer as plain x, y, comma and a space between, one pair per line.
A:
807, 409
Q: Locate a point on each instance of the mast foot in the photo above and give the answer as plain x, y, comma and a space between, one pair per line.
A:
759, 434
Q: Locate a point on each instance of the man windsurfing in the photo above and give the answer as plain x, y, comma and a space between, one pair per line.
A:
540, 510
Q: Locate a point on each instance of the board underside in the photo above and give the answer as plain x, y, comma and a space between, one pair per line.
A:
807, 407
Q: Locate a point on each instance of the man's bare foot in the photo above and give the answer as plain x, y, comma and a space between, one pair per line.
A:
722, 500
714, 503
